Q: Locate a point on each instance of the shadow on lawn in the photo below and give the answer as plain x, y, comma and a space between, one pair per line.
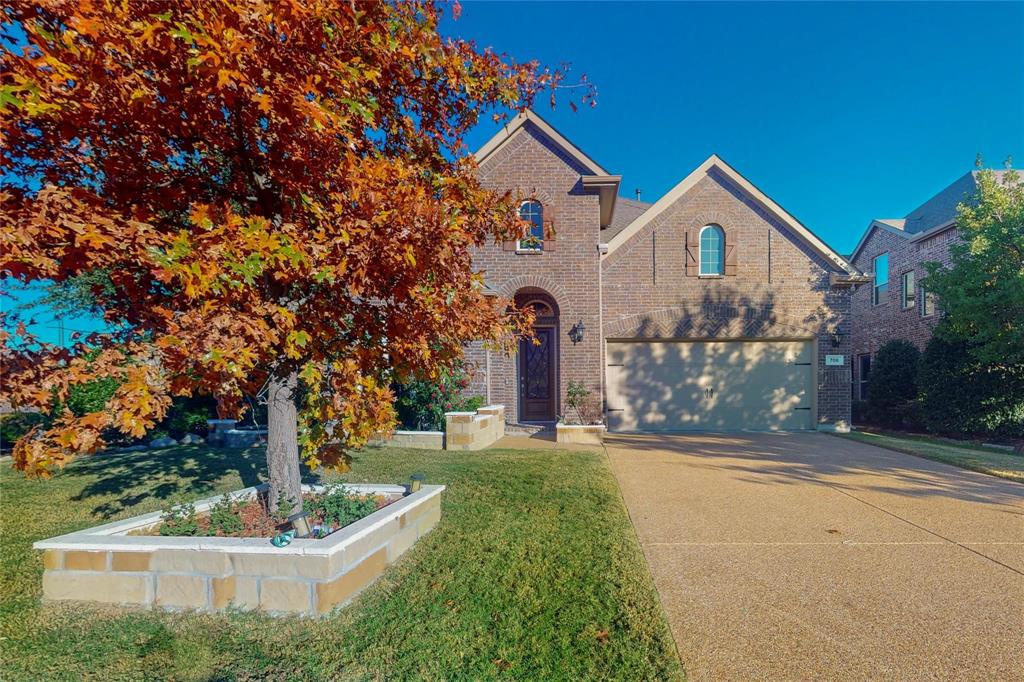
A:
782, 458
170, 474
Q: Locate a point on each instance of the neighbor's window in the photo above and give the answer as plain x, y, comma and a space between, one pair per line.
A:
533, 213
881, 278
712, 240
909, 290
927, 303
863, 370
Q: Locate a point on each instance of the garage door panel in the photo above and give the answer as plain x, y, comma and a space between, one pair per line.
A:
714, 385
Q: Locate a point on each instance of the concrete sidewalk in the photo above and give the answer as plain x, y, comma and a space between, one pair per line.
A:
805, 556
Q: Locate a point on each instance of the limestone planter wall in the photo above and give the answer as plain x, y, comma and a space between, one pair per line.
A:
415, 440
308, 577
474, 430
587, 434
463, 431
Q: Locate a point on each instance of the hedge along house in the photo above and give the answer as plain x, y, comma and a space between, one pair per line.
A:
712, 309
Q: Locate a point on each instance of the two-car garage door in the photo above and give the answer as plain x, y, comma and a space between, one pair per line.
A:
709, 385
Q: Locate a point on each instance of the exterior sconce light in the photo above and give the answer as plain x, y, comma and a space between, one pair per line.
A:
576, 333
837, 339
300, 522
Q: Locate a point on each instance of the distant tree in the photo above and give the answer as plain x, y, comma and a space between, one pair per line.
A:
893, 382
280, 194
981, 293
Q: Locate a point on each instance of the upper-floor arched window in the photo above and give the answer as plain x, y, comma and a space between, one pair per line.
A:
533, 213
712, 247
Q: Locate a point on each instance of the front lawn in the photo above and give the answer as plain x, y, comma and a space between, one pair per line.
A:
533, 573
985, 460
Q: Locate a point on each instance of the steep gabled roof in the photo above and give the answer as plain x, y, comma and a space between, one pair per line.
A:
934, 215
595, 178
528, 116
881, 225
702, 171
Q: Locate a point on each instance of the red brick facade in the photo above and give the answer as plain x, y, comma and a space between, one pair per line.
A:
534, 165
876, 324
776, 286
781, 289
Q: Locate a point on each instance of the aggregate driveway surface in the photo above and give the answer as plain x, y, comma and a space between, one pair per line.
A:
807, 556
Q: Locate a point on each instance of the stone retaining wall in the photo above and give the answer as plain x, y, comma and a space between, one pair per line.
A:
308, 577
463, 431
416, 440
588, 434
474, 430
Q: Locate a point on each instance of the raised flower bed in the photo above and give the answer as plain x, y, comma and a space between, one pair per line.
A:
583, 434
115, 564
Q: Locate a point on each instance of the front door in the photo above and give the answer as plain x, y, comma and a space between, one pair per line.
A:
537, 376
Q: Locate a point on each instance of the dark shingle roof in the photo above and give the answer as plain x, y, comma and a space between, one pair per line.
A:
941, 208
626, 211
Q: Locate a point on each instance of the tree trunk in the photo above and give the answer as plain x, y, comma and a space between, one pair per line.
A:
283, 443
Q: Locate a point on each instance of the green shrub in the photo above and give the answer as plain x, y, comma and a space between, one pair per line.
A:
188, 414
893, 383
14, 425
959, 395
339, 507
91, 396
225, 517
421, 404
179, 520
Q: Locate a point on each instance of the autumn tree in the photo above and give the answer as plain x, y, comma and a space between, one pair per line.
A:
280, 196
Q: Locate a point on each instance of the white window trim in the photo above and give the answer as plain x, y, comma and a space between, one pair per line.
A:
903, 290
700, 247
923, 293
876, 297
539, 248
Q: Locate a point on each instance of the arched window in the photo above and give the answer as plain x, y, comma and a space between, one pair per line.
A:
533, 213
712, 245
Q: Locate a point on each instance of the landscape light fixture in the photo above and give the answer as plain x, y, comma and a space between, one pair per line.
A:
300, 522
576, 333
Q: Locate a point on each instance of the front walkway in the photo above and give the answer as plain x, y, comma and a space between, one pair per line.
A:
805, 556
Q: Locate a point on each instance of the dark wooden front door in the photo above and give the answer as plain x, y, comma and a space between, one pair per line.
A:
537, 388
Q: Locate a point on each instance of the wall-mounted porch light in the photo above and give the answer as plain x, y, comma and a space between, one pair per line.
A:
576, 333
837, 339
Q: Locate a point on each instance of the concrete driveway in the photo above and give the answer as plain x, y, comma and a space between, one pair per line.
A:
806, 556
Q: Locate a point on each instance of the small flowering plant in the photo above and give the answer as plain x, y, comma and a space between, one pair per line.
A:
421, 404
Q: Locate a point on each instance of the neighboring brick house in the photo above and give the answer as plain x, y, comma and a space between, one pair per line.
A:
892, 252
711, 309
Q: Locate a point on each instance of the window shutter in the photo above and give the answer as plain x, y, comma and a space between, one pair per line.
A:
550, 227
730, 256
692, 253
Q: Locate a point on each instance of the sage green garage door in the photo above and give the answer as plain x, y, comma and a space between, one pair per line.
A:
709, 385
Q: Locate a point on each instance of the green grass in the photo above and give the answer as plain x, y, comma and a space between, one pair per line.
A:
533, 573
992, 461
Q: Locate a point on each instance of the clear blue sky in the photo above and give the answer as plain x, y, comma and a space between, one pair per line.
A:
840, 112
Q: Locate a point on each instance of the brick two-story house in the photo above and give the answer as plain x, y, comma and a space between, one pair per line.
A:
893, 251
711, 309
